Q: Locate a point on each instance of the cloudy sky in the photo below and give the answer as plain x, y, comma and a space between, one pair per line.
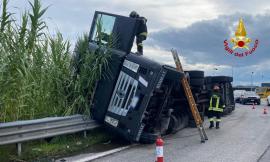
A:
196, 28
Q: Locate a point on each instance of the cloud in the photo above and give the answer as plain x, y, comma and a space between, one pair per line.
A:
203, 41
201, 46
196, 28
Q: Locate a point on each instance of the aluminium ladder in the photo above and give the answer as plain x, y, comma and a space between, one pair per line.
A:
189, 95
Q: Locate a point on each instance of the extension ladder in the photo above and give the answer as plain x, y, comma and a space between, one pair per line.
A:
189, 95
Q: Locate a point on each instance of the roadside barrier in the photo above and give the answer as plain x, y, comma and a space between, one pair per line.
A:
28, 130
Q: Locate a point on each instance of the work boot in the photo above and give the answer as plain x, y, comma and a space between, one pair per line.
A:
217, 125
139, 53
140, 49
211, 125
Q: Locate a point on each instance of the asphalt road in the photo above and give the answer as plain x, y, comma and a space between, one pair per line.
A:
244, 137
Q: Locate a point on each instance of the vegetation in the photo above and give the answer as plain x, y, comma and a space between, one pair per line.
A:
60, 146
38, 75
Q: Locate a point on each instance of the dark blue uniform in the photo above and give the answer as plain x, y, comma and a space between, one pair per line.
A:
215, 109
141, 34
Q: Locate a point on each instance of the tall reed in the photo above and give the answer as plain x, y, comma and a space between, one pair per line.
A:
36, 77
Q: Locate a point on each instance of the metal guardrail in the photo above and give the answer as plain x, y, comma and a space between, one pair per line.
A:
21, 131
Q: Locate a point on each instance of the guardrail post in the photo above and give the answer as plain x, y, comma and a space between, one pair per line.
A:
84, 134
19, 148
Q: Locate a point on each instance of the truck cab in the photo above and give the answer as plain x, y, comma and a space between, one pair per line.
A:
140, 99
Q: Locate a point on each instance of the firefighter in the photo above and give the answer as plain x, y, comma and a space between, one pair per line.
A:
216, 107
141, 33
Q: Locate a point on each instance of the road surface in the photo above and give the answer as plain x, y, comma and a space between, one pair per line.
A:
244, 137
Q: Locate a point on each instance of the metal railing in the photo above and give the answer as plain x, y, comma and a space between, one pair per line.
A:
21, 131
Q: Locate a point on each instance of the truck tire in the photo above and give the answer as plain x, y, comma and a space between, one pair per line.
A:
197, 82
208, 80
192, 123
226, 111
173, 125
184, 121
148, 138
217, 79
196, 74
230, 110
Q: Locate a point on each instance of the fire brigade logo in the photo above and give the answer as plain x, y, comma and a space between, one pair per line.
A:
240, 42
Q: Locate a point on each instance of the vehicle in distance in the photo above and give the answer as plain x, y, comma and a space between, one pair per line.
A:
268, 100
263, 92
238, 94
250, 97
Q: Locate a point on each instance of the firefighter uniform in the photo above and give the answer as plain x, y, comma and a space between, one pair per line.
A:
141, 34
215, 110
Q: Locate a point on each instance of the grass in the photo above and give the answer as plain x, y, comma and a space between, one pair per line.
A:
57, 147
39, 74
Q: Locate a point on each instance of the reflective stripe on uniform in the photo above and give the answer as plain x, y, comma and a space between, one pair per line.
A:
144, 34
210, 106
217, 103
140, 44
218, 109
211, 119
218, 120
215, 108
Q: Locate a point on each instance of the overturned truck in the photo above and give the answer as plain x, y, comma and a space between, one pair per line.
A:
141, 99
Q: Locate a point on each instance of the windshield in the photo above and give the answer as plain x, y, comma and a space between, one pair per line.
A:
103, 28
250, 93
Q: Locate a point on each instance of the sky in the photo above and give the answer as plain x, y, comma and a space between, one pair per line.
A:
197, 29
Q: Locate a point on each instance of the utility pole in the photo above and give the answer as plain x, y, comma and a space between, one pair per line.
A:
232, 70
251, 80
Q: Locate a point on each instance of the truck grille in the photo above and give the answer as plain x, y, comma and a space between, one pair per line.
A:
123, 97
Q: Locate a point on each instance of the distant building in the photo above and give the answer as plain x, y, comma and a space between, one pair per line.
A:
247, 88
265, 84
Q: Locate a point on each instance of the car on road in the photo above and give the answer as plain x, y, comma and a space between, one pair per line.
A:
268, 100
250, 97
238, 94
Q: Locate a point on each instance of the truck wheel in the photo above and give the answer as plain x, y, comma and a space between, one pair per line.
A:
196, 74
208, 80
226, 111
173, 125
230, 110
221, 79
184, 121
148, 138
197, 82
192, 123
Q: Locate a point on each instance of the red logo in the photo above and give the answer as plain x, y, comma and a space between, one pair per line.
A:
240, 42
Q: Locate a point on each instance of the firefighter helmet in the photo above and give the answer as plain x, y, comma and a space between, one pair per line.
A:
134, 14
